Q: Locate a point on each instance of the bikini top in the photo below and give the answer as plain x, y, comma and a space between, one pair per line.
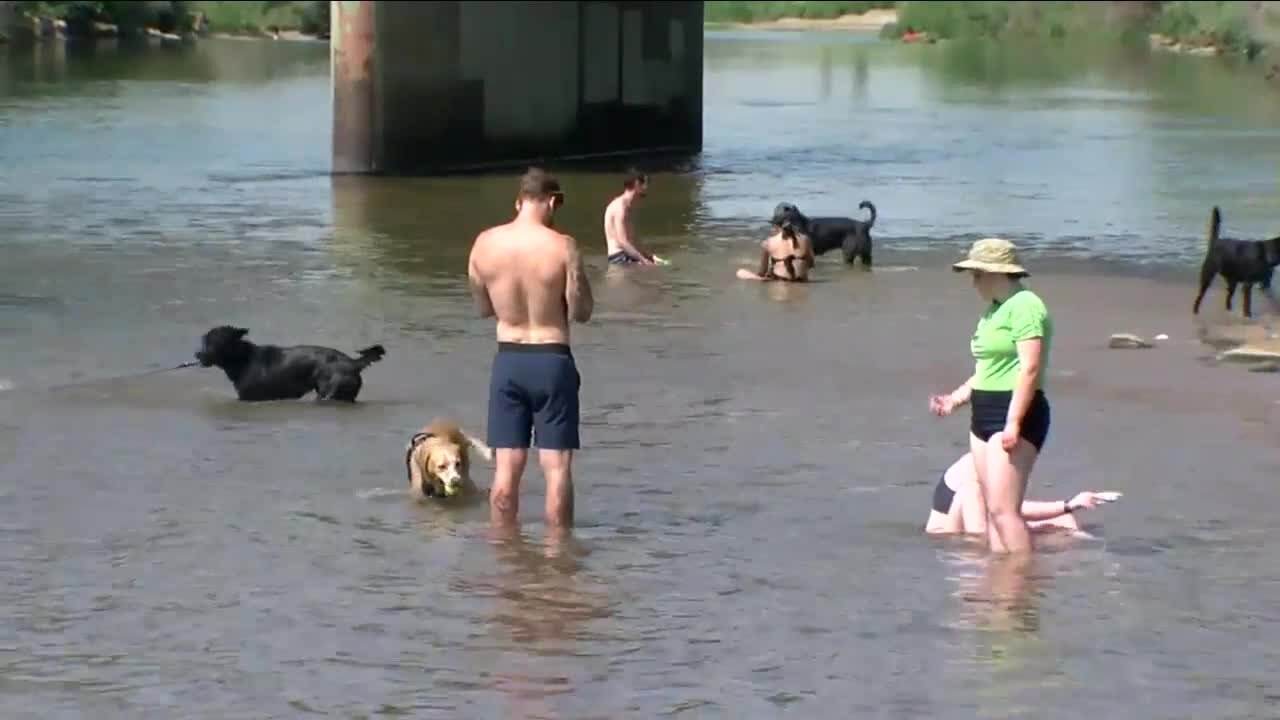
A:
789, 261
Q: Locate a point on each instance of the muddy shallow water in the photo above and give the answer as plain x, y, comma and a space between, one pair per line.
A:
759, 459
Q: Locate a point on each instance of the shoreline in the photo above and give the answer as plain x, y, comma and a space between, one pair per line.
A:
872, 20
42, 29
1198, 44
163, 38
282, 36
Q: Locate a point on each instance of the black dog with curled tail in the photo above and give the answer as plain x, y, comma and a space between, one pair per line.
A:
270, 372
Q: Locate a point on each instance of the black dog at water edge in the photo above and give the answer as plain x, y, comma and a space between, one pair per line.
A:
853, 237
1238, 262
270, 372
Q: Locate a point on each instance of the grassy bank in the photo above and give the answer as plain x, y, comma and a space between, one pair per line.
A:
1229, 25
84, 17
1232, 26
739, 11
239, 16
998, 20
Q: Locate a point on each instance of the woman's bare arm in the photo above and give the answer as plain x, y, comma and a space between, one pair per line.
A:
1042, 510
1029, 352
1048, 510
763, 267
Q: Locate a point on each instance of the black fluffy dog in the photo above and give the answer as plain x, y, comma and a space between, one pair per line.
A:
270, 372
853, 237
1238, 262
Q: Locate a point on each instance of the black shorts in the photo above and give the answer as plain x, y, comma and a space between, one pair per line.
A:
991, 408
943, 495
534, 388
621, 258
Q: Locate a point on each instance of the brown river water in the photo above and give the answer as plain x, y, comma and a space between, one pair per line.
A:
758, 460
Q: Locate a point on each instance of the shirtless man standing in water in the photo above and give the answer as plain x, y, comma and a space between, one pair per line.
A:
530, 277
619, 233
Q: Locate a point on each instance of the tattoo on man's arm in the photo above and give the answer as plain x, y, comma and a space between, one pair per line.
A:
578, 289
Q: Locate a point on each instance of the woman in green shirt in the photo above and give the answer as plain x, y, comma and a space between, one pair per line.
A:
1010, 419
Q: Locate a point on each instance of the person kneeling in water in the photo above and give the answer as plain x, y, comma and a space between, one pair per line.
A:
957, 505
788, 250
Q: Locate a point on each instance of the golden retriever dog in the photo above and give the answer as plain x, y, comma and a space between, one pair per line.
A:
438, 460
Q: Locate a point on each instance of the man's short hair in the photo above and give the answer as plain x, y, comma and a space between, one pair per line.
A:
537, 185
634, 179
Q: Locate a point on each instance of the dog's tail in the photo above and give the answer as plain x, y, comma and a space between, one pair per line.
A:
370, 355
866, 205
1215, 226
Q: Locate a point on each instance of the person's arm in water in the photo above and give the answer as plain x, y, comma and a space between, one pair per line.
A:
1040, 510
761, 269
479, 290
1048, 510
620, 227
577, 289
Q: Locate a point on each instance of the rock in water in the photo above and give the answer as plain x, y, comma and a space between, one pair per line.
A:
1127, 341
1247, 353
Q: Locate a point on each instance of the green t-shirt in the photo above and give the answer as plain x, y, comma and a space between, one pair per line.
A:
1022, 316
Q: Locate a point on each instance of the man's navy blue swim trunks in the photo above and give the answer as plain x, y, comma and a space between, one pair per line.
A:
533, 388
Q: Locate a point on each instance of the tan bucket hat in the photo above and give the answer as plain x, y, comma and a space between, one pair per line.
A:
992, 255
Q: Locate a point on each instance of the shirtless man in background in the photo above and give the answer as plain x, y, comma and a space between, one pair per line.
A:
530, 277
619, 233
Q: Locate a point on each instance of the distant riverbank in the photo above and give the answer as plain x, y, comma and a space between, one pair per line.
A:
168, 21
870, 20
800, 15
1248, 30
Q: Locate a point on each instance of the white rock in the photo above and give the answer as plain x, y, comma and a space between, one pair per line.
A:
1127, 341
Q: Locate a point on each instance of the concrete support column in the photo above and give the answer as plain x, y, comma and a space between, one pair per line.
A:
695, 15
424, 113
355, 107
437, 85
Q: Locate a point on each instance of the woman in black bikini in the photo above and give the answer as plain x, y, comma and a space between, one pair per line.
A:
786, 255
958, 509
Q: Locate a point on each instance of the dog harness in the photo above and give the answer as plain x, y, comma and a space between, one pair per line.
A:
414, 442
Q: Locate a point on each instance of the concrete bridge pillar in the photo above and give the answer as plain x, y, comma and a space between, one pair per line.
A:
423, 87
351, 43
